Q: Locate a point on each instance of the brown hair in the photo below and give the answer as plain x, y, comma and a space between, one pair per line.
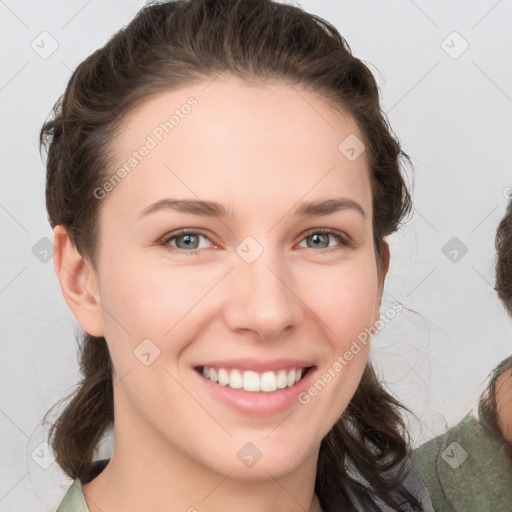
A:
504, 259
167, 46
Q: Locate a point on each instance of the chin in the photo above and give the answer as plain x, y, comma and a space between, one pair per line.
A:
254, 464
262, 471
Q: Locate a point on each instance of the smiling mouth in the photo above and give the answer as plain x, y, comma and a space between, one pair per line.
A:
252, 381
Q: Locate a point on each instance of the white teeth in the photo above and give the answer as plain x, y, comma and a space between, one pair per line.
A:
268, 381
253, 381
282, 380
223, 377
236, 380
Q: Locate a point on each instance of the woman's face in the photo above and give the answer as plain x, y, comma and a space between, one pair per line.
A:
239, 240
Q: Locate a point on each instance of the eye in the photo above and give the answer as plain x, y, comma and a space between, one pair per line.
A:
185, 241
188, 242
319, 238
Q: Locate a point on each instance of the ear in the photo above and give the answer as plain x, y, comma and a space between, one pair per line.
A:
78, 281
382, 273
384, 263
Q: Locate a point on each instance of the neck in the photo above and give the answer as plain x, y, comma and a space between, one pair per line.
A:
146, 472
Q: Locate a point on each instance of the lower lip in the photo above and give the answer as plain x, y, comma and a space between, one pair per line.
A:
257, 403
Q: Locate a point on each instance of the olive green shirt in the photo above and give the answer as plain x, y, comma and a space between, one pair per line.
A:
74, 500
466, 470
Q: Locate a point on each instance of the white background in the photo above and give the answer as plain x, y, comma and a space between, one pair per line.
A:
453, 116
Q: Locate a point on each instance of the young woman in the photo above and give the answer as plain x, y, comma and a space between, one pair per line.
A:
221, 180
470, 466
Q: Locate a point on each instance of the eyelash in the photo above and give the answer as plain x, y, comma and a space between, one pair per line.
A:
342, 239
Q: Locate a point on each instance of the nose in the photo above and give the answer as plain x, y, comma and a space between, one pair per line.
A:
262, 297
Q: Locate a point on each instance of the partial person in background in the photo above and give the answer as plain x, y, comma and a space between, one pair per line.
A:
469, 468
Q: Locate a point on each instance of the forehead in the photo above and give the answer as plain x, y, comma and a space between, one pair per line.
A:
232, 139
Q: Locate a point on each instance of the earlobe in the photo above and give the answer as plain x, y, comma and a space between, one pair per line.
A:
78, 282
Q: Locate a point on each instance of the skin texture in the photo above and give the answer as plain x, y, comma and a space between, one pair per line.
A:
504, 405
258, 149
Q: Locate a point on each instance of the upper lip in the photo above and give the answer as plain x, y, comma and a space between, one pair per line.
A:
257, 365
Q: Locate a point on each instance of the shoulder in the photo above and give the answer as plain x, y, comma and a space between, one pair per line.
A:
465, 468
425, 458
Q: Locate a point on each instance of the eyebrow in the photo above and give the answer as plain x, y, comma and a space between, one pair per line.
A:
214, 209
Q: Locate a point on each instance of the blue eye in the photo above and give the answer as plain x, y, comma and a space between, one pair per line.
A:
189, 242
320, 238
185, 241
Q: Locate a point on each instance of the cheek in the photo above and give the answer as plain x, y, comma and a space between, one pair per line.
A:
345, 298
150, 302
